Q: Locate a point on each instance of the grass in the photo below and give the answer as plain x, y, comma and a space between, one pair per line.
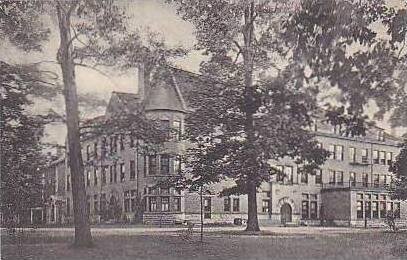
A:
217, 245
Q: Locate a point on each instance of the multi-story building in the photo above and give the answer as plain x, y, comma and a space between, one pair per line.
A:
120, 175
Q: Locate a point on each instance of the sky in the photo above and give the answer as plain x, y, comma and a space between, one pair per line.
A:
155, 14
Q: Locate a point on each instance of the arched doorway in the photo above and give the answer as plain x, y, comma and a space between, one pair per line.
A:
286, 213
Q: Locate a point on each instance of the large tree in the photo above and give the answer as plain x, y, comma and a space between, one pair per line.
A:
246, 119
270, 61
92, 34
21, 160
397, 29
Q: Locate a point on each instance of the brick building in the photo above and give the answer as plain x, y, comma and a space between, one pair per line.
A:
351, 187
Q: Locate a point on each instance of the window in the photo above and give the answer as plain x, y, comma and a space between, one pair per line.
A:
266, 206
133, 199
88, 178
376, 180
359, 209
352, 179
226, 204
288, 170
313, 210
368, 209
304, 176
165, 190
397, 209
331, 177
177, 165
352, 154
389, 158
132, 170
207, 208
337, 129
336, 152
152, 165
177, 204
375, 209
382, 157
95, 176
111, 174
126, 201
382, 205
365, 156
103, 148
280, 172
87, 152
339, 177
111, 144
318, 176
68, 207
331, 151
152, 204
103, 173
339, 152
165, 164
95, 203
68, 182
383, 180
365, 179
165, 126
236, 204
309, 206
376, 157
115, 138
176, 128
165, 203
122, 172
115, 173
380, 135
95, 149
88, 205
131, 140
103, 202
305, 209
121, 142
389, 206
145, 166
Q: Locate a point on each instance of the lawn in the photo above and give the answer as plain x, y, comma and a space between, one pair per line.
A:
217, 245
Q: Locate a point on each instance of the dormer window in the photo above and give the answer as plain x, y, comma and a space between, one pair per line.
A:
380, 135
165, 126
337, 129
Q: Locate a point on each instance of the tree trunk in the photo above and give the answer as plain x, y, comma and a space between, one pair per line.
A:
83, 236
252, 220
249, 99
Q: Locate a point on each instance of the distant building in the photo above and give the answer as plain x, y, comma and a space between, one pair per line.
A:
120, 175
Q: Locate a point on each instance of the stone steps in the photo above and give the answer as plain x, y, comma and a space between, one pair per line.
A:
159, 219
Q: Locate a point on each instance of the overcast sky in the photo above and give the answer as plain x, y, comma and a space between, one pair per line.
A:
160, 17
157, 15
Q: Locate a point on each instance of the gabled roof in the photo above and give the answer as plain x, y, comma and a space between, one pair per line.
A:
187, 82
124, 102
163, 93
170, 89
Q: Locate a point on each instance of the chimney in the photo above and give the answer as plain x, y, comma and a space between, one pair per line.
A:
143, 81
393, 131
60, 151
